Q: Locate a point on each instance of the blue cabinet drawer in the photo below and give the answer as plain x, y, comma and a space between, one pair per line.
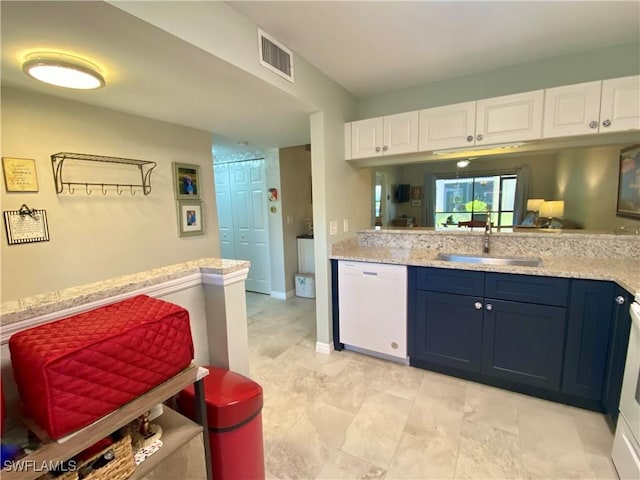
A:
527, 289
461, 282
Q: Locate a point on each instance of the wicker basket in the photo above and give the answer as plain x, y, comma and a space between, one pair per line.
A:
120, 468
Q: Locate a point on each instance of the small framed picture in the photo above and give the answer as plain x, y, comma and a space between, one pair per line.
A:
186, 180
629, 183
20, 174
190, 218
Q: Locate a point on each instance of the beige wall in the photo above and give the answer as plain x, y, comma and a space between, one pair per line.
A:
587, 179
97, 237
295, 177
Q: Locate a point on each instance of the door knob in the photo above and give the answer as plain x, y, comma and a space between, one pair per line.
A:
489, 307
478, 306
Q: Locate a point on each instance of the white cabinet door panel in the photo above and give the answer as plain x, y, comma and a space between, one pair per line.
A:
620, 108
347, 141
366, 137
572, 110
510, 118
450, 126
400, 133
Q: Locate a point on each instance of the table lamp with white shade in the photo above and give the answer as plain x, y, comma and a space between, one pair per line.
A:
551, 210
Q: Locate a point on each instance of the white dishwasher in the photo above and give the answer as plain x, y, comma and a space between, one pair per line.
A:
372, 298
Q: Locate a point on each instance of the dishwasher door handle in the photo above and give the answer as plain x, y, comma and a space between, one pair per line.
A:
372, 274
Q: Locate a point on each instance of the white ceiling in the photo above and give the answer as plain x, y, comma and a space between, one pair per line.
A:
150, 73
368, 47
371, 47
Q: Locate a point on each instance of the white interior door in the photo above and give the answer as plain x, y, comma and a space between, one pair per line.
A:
250, 220
224, 206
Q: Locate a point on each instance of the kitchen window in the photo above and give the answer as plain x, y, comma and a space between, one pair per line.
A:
465, 199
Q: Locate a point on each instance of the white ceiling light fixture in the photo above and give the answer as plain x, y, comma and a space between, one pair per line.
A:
63, 70
463, 163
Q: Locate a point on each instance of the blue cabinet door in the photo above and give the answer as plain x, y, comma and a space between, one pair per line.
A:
617, 354
590, 309
448, 330
523, 343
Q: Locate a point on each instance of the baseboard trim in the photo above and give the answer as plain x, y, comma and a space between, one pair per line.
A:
291, 293
325, 348
279, 295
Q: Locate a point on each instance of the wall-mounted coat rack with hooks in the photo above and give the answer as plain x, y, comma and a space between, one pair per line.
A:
58, 161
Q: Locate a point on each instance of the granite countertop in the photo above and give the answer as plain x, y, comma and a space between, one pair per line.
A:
20, 309
624, 271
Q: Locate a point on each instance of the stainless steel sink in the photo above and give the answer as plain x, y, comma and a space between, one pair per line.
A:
490, 260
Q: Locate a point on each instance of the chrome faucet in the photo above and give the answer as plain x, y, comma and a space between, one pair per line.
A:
487, 232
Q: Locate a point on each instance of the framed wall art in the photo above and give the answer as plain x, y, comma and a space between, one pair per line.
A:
629, 183
20, 174
186, 180
190, 218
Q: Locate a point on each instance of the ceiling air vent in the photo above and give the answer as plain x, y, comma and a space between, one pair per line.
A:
275, 56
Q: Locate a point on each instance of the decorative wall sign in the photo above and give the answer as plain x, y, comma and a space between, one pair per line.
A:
26, 225
273, 194
20, 174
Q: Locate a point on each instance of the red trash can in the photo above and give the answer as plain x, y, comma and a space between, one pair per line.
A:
234, 415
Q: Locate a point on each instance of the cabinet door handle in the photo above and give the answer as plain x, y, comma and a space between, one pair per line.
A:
606, 123
470, 138
385, 148
479, 137
478, 306
593, 124
489, 307
378, 149
620, 300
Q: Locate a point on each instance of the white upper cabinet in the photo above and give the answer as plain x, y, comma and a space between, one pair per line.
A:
366, 138
400, 133
450, 126
510, 118
347, 141
572, 110
620, 106
390, 135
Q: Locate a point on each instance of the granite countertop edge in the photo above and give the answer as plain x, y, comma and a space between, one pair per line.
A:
21, 309
625, 272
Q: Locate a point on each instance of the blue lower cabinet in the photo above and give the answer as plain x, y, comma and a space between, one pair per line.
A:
448, 330
561, 339
523, 343
590, 309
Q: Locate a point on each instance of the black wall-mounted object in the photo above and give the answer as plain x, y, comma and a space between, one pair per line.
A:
403, 193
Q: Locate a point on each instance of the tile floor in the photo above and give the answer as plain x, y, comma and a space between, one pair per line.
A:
351, 416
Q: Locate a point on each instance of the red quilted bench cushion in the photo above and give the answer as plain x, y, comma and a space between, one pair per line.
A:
73, 371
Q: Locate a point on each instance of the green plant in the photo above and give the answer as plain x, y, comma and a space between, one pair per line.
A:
475, 206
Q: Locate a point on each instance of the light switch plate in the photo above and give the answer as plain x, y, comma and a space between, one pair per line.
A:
345, 225
333, 227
